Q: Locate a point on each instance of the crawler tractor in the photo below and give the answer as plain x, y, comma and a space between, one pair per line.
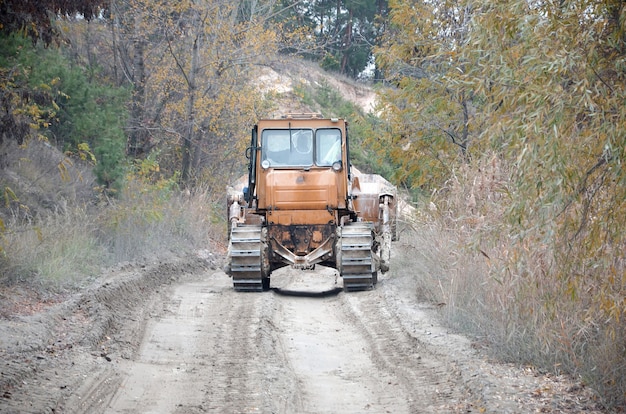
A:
303, 204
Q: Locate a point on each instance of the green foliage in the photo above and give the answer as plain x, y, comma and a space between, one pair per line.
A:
330, 63
366, 150
340, 34
147, 172
332, 103
110, 168
23, 105
73, 110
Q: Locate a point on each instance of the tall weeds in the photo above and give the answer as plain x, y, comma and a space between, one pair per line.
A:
57, 251
66, 249
159, 220
528, 296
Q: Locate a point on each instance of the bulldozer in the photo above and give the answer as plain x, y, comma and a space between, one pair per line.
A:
303, 204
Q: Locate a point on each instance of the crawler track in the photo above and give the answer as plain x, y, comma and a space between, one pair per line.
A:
357, 269
246, 250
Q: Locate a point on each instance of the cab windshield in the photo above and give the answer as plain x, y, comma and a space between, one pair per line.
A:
301, 147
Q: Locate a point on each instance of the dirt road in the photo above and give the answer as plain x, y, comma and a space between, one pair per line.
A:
176, 338
213, 349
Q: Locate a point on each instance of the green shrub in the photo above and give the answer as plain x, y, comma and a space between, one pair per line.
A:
73, 109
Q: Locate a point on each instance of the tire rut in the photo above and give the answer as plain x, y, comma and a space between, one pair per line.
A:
431, 383
250, 372
235, 385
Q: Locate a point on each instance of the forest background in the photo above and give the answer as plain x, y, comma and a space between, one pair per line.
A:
504, 122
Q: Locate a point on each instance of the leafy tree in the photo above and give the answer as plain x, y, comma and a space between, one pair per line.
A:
430, 114
21, 105
538, 87
33, 17
65, 107
344, 30
188, 64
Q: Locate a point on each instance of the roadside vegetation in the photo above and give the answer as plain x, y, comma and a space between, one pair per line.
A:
504, 123
511, 117
59, 233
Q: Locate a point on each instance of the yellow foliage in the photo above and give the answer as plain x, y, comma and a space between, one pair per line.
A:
64, 171
541, 86
201, 77
85, 154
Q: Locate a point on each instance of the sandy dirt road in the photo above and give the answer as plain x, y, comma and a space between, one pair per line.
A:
175, 338
213, 349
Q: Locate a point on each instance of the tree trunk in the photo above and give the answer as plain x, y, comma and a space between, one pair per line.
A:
137, 136
114, 46
465, 130
347, 43
188, 137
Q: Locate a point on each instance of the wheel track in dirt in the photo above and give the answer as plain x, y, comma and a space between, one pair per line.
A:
243, 380
263, 352
377, 365
431, 382
46, 356
210, 350
233, 338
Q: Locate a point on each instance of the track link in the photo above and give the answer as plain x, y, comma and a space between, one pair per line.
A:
245, 251
357, 268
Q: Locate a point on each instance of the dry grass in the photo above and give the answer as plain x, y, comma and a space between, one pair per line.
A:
58, 251
510, 293
67, 249
158, 221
